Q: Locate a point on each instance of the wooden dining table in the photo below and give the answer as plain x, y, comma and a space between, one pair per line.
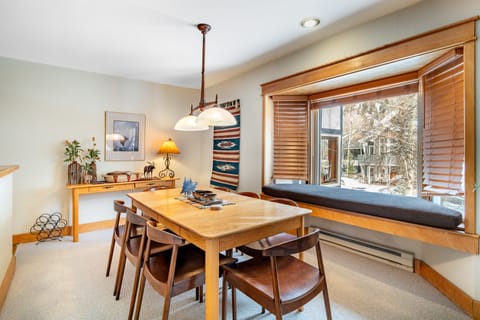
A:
241, 221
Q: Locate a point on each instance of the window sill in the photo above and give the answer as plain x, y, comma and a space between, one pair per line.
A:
452, 239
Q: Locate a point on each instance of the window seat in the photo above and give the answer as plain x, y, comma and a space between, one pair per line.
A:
412, 218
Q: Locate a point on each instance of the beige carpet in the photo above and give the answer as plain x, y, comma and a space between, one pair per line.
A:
59, 280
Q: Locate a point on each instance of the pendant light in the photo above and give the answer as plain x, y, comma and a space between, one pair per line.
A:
210, 113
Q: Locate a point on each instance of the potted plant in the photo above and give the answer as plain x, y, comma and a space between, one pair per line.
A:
91, 156
72, 152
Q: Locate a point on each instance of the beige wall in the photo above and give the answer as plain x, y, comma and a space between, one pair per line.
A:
6, 222
42, 106
460, 268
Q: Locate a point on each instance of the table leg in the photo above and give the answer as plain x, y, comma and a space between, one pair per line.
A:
75, 196
211, 279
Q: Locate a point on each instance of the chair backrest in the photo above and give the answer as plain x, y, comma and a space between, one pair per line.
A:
135, 219
119, 206
286, 201
250, 194
162, 236
296, 245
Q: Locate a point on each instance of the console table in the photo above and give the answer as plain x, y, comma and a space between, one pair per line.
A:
78, 189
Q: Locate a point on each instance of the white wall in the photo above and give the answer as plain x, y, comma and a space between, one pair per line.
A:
6, 209
42, 106
460, 268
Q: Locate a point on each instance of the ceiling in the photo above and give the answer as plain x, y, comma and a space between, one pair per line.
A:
157, 40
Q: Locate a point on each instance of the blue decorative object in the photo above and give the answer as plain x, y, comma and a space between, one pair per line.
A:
188, 186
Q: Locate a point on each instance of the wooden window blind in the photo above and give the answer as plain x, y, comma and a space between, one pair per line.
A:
290, 140
443, 132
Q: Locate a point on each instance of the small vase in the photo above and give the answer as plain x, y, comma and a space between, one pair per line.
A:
87, 178
74, 173
93, 171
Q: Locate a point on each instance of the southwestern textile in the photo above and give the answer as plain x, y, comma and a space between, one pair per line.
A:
226, 150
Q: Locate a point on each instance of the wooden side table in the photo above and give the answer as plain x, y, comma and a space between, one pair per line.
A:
78, 189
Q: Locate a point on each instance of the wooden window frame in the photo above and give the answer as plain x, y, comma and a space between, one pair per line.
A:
457, 35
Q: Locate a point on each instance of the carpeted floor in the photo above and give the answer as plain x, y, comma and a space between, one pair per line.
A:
60, 280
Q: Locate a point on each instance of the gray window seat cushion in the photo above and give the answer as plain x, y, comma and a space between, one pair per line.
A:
408, 209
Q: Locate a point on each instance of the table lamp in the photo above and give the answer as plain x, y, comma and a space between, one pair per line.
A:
167, 148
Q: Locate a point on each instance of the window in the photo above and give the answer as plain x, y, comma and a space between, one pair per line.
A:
347, 78
378, 150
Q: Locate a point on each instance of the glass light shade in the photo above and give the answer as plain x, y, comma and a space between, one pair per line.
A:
190, 123
169, 146
217, 117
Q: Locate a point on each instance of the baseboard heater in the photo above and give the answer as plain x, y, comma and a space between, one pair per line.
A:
394, 257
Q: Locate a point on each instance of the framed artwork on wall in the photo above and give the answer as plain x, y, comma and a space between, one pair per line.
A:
124, 136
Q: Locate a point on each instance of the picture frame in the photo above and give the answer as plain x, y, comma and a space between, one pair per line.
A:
124, 136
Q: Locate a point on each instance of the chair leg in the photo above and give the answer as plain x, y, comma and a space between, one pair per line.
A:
119, 279
141, 288
134, 288
234, 303
200, 294
224, 297
110, 255
326, 301
166, 304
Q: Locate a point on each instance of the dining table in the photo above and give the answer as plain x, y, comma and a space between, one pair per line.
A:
236, 221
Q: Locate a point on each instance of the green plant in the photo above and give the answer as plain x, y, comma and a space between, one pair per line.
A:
72, 151
93, 154
87, 167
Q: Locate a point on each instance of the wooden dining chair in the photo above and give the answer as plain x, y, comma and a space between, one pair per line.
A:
133, 248
277, 280
249, 194
118, 231
255, 248
173, 271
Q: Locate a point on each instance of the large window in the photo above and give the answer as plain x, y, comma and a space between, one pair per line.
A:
440, 66
372, 146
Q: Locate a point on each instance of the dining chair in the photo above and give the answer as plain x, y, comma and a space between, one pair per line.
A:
277, 280
173, 271
118, 231
255, 248
132, 249
249, 194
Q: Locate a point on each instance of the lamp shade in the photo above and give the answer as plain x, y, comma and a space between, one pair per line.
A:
217, 117
190, 123
169, 146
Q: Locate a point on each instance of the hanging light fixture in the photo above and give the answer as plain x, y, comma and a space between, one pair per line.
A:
210, 113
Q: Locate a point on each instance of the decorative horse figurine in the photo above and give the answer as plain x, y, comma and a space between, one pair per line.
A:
148, 170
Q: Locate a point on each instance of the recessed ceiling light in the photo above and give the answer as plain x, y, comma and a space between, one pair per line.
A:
310, 22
